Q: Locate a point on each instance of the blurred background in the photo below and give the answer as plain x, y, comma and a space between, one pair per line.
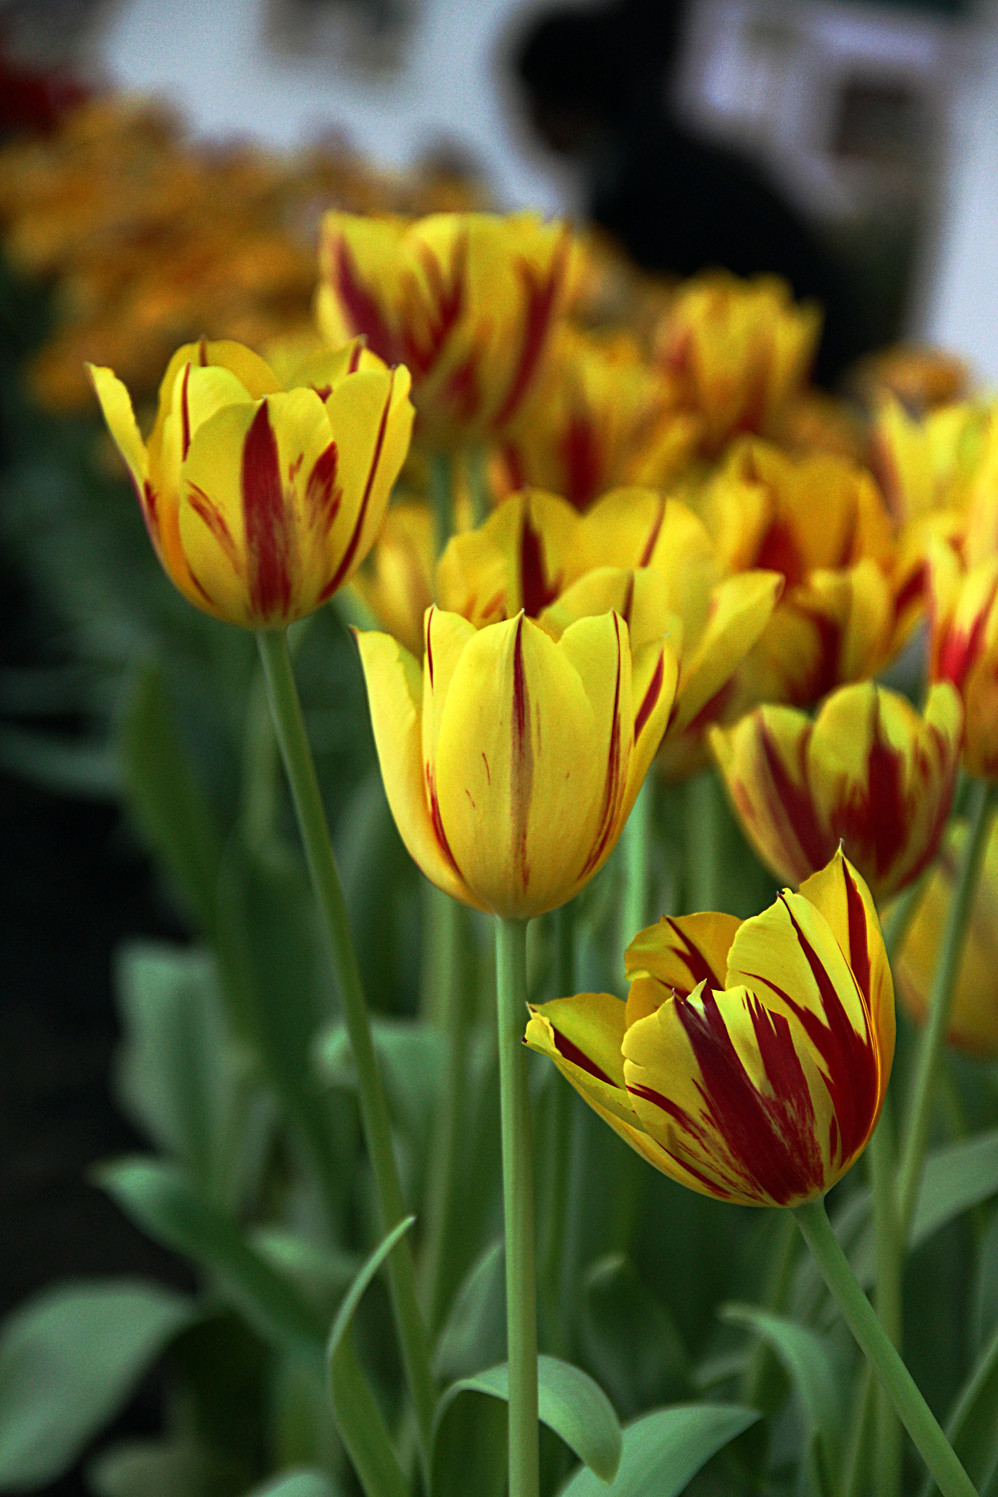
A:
163, 169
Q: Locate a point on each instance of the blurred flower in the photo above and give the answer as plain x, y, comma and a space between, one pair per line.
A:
521, 557
974, 1012
964, 647
820, 521
738, 352
751, 1058
511, 761
598, 416
467, 301
396, 584
262, 501
920, 378
868, 774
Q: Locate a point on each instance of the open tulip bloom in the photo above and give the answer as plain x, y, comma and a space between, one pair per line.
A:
751, 1057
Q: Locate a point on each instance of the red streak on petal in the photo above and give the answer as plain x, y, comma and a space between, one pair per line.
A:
695, 962
537, 590
462, 395
323, 391
432, 316
147, 503
372, 473
570, 1051
429, 644
611, 785
859, 946
208, 511
437, 822
265, 521
540, 293
650, 697
649, 550
876, 823
516, 472
321, 494
580, 454
778, 551
361, 309
959, 651
203, 351
790, 808
185, 414
354, 363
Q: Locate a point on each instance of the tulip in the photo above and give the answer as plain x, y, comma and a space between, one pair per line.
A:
973, 1015
260, 500
868, 773
511, 761
466, 301
751, 1058
964, 648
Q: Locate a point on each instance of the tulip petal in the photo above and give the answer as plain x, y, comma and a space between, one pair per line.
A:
729, 1089
675, 956
395, 692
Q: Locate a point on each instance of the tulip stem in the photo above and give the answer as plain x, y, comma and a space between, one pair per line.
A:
314, 828
442, 498
636, 842
933, 1038
518, 1208
859, 1315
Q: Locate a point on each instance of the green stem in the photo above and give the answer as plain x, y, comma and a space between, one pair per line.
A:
933, 1040
704, 842
518, 1208
882, 1158
636, 843
897, 921
478, 483
859, 1315
299, 764
554, 1257
442, 498
450, 1008
258, 803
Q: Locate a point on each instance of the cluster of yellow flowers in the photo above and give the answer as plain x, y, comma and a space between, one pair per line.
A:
662, 543
150, 239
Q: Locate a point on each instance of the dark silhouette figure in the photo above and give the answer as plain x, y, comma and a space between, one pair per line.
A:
596, 83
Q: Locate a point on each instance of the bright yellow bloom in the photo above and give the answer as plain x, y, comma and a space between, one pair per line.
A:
751, 1058
819, 521
973, 1022
511, 761
598, 416
964, 648
261, 501
738, 351
466, 301
869, 773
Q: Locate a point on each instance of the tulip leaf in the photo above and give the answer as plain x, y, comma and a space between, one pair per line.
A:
972, 1427
569, 1402
630, 1338
87, 769
177, 1076
298, 1484
474, 1333
168, 1468
956, 1177
359, 1420
664, 1450
807, 1358
166, 795
412, 1057
160, 1198
68, 1360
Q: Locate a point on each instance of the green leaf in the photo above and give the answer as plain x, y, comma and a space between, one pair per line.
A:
474, 1334
85, 768
956, 1177
629, 1338
569, 1402
412, 1057
809, 1363
178, 1075
166, 1468
162, 1200
298, 1484
972, 1427
664, 1450
359, 1420
69, 1359
167, 797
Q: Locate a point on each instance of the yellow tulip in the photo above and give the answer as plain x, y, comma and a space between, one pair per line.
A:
868, 774
396, 585
466, 301
511, 761
261, 500
964, 648
738, 351
973, 1024
751, 1057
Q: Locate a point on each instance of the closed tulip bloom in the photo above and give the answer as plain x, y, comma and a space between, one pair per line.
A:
751, 1058
868, 772
260, 500
511, 761
973, 1019
964, 648
466, 301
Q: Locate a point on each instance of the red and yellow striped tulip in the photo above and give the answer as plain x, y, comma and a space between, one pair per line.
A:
868, 774
262, 500
511, 761
964, 648
467, 301
751, 1057
973, 1022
